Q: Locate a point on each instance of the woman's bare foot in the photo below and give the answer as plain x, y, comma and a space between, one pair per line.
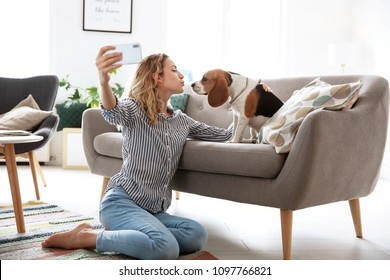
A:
81, 237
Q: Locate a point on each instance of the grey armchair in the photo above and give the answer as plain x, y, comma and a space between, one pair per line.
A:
44, 91
336, 155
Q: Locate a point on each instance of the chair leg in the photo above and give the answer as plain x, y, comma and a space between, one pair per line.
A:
39, 169
354, 205
286, 218
32, 160
104, 187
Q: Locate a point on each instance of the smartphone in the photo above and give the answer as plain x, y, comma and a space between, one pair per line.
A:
131, 53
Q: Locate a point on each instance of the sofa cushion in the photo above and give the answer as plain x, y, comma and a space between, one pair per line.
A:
109, 144
254, 160
280, 130
234, 159
179, 101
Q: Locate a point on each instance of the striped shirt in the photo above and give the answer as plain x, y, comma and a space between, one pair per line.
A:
151, 152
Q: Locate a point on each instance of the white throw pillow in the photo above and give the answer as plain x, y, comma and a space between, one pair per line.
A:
29, 101
26, 115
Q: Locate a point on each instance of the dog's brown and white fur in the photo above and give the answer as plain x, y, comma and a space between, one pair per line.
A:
252, 103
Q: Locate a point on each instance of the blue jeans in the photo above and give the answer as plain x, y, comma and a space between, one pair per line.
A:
133, 231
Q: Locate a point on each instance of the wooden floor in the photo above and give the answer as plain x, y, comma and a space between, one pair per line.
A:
240, 231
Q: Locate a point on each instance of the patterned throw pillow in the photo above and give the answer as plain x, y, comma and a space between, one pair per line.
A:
280, 130
179, 101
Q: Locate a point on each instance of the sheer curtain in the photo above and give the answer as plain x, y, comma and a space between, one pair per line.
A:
242, 36
24, 32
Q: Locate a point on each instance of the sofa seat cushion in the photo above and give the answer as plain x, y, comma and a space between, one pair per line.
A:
109, 144
254, 160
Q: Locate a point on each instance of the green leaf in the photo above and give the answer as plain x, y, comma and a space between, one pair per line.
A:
118, 90
95, 104
76, 95
65, 84
89, 95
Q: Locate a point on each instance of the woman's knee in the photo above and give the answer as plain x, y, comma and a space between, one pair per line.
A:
196, 239
166, 250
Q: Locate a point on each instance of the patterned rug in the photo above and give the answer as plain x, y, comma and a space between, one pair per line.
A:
43, 219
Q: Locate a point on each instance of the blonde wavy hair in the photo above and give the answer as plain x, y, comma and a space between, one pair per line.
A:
144, 85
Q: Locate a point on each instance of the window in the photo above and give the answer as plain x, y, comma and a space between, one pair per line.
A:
236, 35
24, 48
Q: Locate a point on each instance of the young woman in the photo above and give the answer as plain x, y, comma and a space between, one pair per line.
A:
133, 210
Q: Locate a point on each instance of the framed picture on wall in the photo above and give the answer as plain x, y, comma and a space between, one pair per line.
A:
108, 15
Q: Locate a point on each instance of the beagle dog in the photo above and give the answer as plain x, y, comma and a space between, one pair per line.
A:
253, 103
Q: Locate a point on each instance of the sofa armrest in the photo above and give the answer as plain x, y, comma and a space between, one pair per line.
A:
93, 124
337, 154
46, 129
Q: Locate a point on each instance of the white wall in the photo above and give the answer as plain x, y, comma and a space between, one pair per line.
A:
73, 50
237, 35
310, 27
372, 20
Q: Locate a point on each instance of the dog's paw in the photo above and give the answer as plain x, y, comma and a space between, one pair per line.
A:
249, 141
232, 141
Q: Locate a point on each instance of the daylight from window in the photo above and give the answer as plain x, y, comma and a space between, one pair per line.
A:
27, 48
242, 36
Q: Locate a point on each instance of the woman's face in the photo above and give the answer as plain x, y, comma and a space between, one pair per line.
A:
171, 81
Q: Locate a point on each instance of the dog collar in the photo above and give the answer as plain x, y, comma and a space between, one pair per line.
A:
233, 100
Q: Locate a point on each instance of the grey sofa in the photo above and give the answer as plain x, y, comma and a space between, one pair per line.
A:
336, 155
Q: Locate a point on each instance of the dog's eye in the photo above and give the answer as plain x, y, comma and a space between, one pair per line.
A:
204, 79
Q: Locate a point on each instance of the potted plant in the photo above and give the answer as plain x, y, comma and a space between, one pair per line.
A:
79, 99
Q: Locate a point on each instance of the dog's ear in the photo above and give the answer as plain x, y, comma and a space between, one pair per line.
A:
219, 94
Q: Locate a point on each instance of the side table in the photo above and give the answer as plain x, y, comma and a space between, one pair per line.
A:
7, 148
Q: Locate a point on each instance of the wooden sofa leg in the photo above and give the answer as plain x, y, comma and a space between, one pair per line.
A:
286, 218
354, 205
104, 186
177, 193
